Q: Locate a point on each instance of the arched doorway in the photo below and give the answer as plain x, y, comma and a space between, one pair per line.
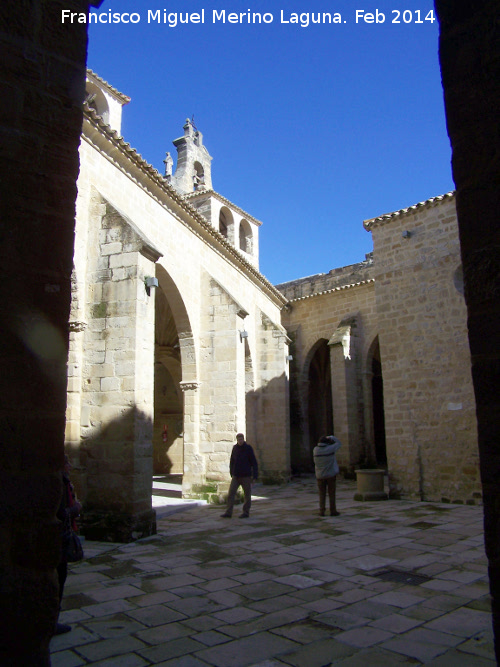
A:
172, 332
168, 444
320, 409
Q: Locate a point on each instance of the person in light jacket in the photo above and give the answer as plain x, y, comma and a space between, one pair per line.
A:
327, 469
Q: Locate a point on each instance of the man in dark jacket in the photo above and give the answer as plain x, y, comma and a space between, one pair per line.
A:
243, 469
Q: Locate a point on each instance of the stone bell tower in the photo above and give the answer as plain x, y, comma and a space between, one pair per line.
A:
193, 172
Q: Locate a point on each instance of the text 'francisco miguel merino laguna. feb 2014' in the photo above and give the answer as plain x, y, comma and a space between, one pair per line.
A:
304, 19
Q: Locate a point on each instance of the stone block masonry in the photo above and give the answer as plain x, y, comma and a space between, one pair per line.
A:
428, 398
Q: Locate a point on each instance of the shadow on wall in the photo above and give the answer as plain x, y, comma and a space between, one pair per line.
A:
114, 476
268, 429
114, 479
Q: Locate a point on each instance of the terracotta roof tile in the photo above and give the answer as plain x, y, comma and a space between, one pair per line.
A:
387, 217
333, 289
123, 98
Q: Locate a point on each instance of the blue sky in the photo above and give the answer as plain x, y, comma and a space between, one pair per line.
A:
311, 129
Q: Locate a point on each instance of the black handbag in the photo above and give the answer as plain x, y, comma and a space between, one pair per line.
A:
74, 551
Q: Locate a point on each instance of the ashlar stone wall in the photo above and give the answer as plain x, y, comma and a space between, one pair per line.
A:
402, 310
428, 397
42, 76
110, 405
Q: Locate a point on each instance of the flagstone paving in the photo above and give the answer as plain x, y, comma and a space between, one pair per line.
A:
286, 587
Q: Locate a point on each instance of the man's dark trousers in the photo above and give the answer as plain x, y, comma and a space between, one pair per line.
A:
246, 485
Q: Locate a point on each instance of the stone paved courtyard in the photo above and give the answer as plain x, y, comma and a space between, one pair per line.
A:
385, 583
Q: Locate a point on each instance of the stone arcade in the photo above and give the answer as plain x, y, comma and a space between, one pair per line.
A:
161, 379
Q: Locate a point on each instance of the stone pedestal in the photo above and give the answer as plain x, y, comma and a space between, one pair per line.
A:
370, 485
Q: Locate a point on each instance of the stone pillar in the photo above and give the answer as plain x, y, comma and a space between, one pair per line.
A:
74, 406
194, 462
42, 79
470, 70
367, 380
222, 405
273, 404
345, 395
118, 387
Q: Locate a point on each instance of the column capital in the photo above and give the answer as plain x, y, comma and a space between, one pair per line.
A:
77, 326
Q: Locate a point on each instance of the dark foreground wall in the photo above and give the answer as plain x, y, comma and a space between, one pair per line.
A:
470, 66
42, 74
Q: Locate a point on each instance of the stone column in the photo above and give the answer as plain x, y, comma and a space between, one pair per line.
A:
367, 380
74, 406
273, 404
42, 78
194, 462
118, 388
345, 395
470, 70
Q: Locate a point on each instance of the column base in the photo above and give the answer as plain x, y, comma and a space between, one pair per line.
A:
117, 527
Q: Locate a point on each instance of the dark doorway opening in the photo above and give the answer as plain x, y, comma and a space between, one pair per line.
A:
378, 408
320, 395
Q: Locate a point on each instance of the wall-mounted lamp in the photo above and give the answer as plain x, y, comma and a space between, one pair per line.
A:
150, 282
406, 234
243, 334
289, 357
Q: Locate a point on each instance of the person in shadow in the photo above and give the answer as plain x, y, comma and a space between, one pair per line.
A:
69, 510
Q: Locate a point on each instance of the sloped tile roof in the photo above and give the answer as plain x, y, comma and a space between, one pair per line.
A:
116, 93
333, 289
387, 217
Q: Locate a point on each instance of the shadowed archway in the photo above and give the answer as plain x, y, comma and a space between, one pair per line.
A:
320, 409
174, 356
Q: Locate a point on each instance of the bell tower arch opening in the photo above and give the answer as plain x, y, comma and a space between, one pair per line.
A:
198, 176
246, 237
226, 223
97, 101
